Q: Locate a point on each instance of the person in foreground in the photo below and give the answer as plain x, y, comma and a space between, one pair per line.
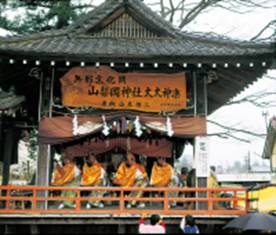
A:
156, 225
187, 225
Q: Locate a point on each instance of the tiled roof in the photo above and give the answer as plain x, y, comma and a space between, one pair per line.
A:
10, 101
116, 48
78, 43
76, 40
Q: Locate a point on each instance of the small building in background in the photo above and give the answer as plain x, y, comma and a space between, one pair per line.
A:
269, 151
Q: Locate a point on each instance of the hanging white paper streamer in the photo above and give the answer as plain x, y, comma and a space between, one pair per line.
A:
85, 128
57, 158
88, 127
105, 127
169, 127
138, 127
75, 125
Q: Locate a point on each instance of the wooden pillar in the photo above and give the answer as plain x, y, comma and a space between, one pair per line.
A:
201, 151
44, 151
43, 164
1, 146
1, 137
8, 150
201, 147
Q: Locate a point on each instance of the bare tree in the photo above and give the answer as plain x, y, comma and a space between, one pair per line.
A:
262, 99
270, 26
183, 12
234, 132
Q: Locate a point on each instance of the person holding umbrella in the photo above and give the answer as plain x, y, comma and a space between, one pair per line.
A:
253, 222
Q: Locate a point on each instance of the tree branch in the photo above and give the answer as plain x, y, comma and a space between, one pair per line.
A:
255, 99
271, 23
232, 129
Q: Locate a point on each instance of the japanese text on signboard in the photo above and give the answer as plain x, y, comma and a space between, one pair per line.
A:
107, 89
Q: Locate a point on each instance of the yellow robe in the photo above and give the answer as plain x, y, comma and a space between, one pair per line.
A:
212, 180
161, 175
63, 175
126, 176
91, 176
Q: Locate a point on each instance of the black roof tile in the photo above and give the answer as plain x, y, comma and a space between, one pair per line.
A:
76, 38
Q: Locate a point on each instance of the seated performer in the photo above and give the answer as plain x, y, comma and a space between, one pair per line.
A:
94, 175
164, 175
131, 174
66, 175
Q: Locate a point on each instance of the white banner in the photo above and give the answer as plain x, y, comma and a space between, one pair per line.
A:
202, 156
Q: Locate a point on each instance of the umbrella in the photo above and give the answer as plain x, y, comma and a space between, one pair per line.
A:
253, 221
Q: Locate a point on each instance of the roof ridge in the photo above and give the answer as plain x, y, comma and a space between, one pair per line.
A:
218, 38
34, 36
154, 16
108, 5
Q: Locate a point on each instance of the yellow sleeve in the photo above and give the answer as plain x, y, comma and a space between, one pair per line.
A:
120, 174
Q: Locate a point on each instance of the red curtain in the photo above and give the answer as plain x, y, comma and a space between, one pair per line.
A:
151, 148
58, 130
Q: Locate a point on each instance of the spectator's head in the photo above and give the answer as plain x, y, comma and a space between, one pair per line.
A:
213, 168
184, 171
190, 220
154, 219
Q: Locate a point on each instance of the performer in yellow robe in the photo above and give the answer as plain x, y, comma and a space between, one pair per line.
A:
66, 175
131, 174
212, 182
164, 175
94, 175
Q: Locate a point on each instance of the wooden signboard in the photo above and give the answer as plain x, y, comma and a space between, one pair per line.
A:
105, 88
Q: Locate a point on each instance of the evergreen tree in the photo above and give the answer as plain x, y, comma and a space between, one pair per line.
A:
39, 15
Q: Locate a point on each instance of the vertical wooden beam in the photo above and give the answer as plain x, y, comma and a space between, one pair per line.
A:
205, 95
201, 151
195, 93
44, 151
1, 146
42, 178
8, 150
1, 137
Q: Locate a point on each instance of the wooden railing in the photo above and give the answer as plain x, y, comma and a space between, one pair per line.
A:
196, 201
